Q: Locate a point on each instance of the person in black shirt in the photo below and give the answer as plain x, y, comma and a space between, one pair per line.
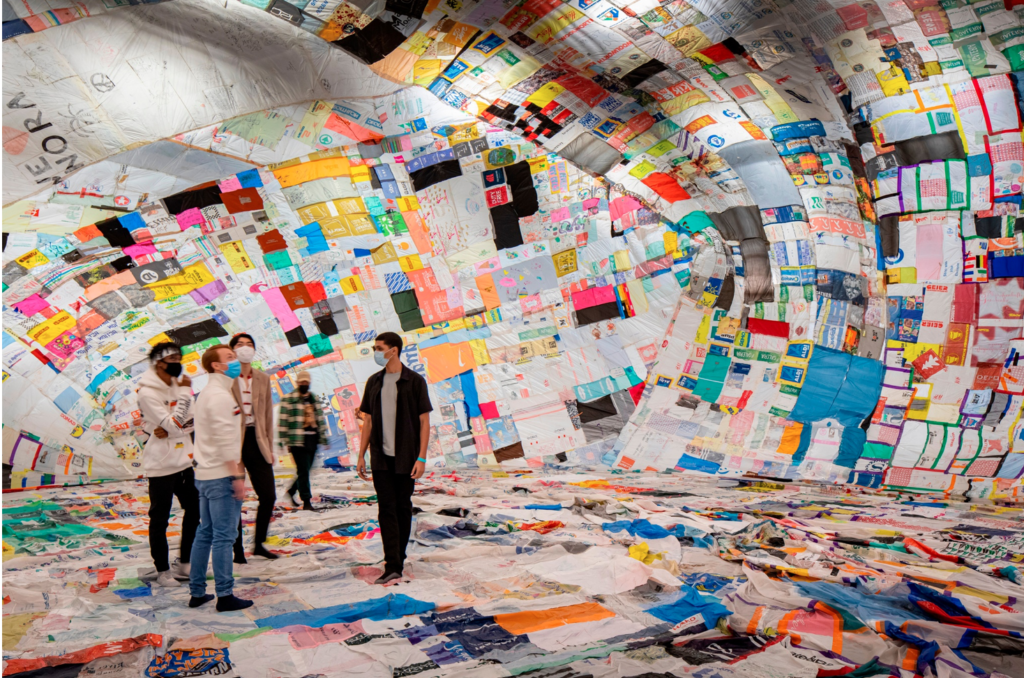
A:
397, 431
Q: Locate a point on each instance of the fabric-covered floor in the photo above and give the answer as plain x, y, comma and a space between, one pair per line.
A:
604, 574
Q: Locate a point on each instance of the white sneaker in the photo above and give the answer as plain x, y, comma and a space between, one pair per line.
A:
167, 579
183, 571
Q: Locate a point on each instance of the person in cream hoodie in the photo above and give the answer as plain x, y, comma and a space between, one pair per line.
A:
165, 400
220, 479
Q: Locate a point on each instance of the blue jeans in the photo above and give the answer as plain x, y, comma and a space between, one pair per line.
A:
219, 512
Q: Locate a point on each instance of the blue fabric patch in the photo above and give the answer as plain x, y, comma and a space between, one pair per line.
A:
391, 606
132, 222
249, 178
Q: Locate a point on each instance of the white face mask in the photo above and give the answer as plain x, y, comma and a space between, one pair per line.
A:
245, 354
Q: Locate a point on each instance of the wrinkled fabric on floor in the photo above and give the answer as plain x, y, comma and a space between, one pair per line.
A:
568, 575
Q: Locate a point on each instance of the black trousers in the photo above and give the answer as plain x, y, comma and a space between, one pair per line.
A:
162, 490
394, 513
261, 475
304, 457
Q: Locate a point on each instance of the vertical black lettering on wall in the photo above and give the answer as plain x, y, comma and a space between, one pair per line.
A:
53, 144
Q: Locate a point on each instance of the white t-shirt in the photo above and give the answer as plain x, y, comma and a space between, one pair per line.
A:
245, 388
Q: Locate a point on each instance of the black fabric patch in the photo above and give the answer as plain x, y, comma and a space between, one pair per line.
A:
72, 256
724, 301
413, 8
513, 451
733, 46
862, 131
326, 325
945, 146
373, 43
757, 271
641, 73
122, 263
435, 174
739, 223
601, 408
524, 195
193, 334
506, 226
5, 240
116, 234
989, 227
880, 163
186, 200
296, 337
889, 230
62, 671
595, 314
508, 112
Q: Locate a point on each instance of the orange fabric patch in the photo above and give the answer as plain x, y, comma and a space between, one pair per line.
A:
538, 620
790, 439
446, 360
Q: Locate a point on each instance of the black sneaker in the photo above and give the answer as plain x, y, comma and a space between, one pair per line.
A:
307, 505
231, 603
196, 602
388, 578
264, 553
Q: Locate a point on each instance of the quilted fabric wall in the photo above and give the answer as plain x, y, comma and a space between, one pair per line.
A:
720, 238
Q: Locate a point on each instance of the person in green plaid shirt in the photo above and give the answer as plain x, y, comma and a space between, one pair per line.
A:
300, 428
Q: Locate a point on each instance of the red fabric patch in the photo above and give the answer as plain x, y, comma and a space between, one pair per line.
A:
316, 291
718, 53
772, 328
666, 186
297, 296
271, 241
245, 200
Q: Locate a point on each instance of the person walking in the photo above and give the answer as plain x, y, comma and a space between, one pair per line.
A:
220, 480
165, 400
397, 431
300, 427
252, 389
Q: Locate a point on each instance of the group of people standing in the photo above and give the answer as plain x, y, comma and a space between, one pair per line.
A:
200, 448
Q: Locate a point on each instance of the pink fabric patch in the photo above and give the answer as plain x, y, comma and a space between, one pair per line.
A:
623, 205
280, 308
32, 305
929, 251
192, 217
489, 410
139, 250
561, 214
593, 296
231, 184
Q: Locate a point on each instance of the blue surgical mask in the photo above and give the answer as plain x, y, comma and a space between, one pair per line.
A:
378, 357
234, 369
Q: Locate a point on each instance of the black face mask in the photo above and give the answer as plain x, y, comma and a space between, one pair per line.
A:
173, 369
303, 389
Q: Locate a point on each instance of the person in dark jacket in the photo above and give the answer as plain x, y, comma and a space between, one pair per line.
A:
396, 428
301, 428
